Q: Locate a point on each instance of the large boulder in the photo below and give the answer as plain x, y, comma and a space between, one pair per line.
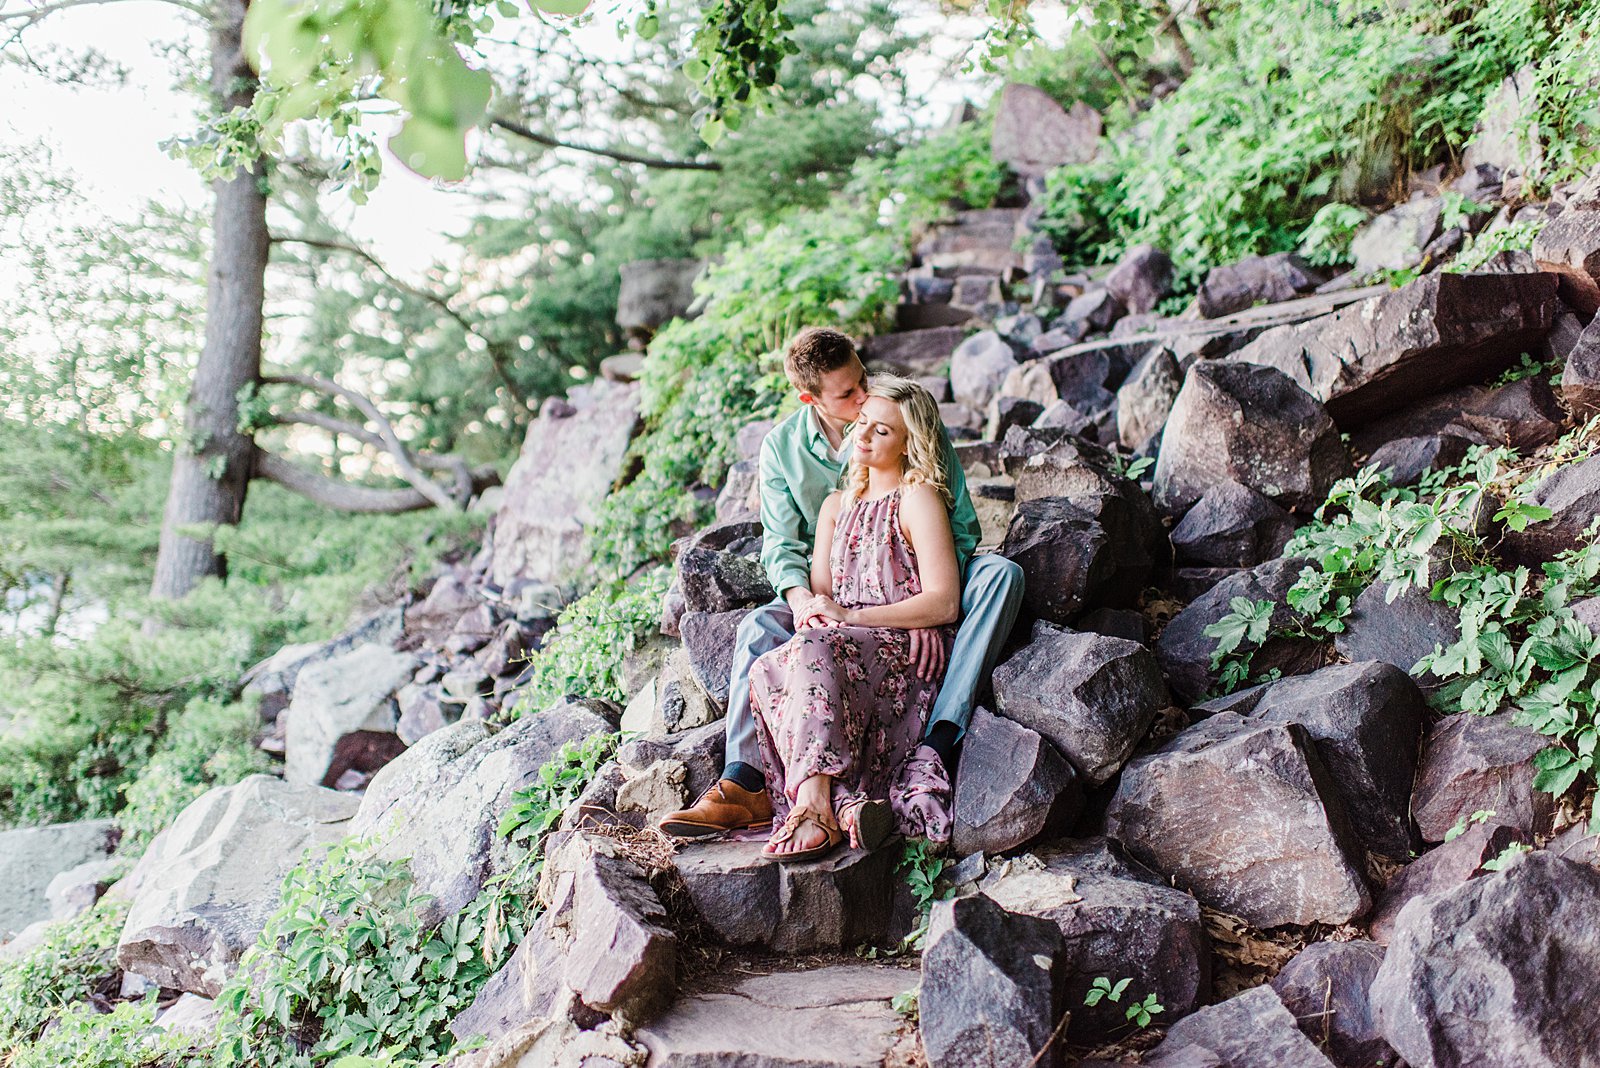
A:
1400, 631
1280, 850
570, 457
1573, 496
1491, 972
1524, 414
978, 368
32, 857
1569, 246
204, 889
654, 291
337, 700
1479, 764
1326, 988
1231, 526
1094, 697
912, 353
1070, 557
1440, 331
1013, 787
1251, 425
1034, 134
718, 572
1144, 400
438, 804
1141, 279
1396, 239
1443, 868
1257, 280
1251, 1030
991, 986
706, 662
1580, 377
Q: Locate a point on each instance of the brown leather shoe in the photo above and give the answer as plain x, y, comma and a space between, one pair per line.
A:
727, 806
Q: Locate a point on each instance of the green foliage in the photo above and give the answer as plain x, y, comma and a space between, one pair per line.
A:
77, 959
1499, 861
952, 168
536, 809
1485, 245
1137, 1012
737, 50
906, 1003
125, 1037
1326, 239
1081, 206
584, 654
1482, 815
1246, 623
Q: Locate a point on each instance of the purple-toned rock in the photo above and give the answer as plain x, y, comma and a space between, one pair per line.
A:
1251, 1030
1573, 496
1479, 763
1486, 973
1399, 632
1091, 312
1281, 849
914, 352
1523, 414
991, 986
979, 367
1258, 280
1034, 135
1442, 868
623, 958
1146, 397
709, 639
1007, 412
1141, 279
1580, 378
1013, 787
1231, 526
1326, 988
717, 576
1077, 555
1406, 460
1569, 246
1093, 696
1251, 425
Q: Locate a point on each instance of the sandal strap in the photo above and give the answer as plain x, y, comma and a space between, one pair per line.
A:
800, 816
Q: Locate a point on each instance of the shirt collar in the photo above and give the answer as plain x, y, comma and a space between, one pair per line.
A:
817, 441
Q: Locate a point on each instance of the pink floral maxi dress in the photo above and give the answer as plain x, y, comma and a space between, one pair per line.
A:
846, 701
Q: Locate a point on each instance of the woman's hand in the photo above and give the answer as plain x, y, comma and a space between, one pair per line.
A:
821, 611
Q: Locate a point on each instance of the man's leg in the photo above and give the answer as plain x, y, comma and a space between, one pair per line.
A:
991, 597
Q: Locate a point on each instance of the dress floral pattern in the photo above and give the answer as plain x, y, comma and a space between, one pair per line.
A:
846, 701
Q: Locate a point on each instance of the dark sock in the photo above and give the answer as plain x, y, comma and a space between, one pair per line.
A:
748, 778
942, 739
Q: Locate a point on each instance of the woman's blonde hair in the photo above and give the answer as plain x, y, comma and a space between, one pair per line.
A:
924, 458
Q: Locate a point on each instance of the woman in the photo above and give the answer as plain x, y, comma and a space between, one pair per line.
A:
840, 709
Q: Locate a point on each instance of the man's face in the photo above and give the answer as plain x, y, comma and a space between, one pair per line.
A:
841, 393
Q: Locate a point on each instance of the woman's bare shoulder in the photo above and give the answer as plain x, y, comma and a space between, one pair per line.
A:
922, 499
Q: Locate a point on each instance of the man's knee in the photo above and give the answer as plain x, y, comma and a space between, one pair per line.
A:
761, 626
992, 575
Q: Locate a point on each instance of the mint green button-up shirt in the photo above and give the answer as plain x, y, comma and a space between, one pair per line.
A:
799, 470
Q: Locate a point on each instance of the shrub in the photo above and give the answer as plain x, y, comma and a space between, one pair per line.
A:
77, 959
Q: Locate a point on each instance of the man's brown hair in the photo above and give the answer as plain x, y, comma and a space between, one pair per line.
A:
816, 351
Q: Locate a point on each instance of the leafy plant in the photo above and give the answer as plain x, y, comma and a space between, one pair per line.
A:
1326, 239
125, 1037
77, 959
906, 1003
535, 809
1505, 856
1247, 623
1482, 815
1139, 1012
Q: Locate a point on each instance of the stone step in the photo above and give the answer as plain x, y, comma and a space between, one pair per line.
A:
990, 217
977, 235
928, 316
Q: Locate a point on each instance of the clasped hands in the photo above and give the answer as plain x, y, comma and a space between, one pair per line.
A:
821, 610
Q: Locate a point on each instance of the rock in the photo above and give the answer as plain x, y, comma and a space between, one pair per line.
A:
566, 468
1325, 988
1500, 139
1251, 1030
1366, 719
32, 857
1395, 240
1398, 632
622, 958
1251, 425
1141, 278
1484, 973
474, 630
1257, 280
1118, 920
913, 352
978, 367
991, 985
976, 291
1145, 399
76, 890
1577, 844
1094, 697
654, 291
1006, 412
191, 1016
1231, 526
1440, 331
1573, 496
1067, 332
1523, 414
338, 698
960, 420
1125, 623
1442, 868
714, 577
623, 367
1479, 763
1065, 554
1033, 134
1580, 377
1281, 850
274, 678
1013, 787
207, 884
1185, 650
835, 1016
1406, 460
709, 639
439, 803
1090, 312
1569, 246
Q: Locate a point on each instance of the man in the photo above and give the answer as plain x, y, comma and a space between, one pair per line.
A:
801, 463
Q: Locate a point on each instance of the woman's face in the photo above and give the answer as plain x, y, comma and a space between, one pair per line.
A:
880, 435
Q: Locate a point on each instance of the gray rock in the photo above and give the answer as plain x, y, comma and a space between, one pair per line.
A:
32, 857
1485, 973
1326, 988
1251, 1030
1442, 868
1094, 697
1573, 496
1033, 134
1396, 239
1523, 414
191, 1016
76, 890
715, 576
337, 698
1007, 412
1141, 278
1090, 312
708, 642
978, 368
1499, 139
273, 679
654, 291
1280, 850
1399, 632
1406, 460
1580, 377
1013, 787
1257, 280
991, 986
1479, 763
1146, 398
1569, 246
913, 352
1251, 425
204, 889
1231, 526
622, 958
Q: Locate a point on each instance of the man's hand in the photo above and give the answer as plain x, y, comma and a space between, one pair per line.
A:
821, 611
927, 653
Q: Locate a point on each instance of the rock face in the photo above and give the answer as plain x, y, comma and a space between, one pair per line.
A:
654, 291
32, 857
1484, 973
570, 458
205, 887
76, 890
1094, 697
1398, 632
1580, 378
1326, 988
709, 639
1280, 849
1569, 245
1441, 330
1479, 763
1117, 919
715, 573
978, 368
1231, 526
438, 805
1573, 495
991, 985
1034, 135
1252, 1030
338, 698
1251, 425
1013, 787
1441, 869
1146, 397
1258, 280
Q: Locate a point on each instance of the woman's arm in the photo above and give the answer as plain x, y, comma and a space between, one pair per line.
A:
927, 526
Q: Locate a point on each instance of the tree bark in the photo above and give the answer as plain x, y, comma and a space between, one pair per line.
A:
212, 465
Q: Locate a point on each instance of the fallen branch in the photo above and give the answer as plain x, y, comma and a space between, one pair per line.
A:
345, 497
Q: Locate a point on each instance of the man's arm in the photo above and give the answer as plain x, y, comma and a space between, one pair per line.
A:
784, 546
964, 527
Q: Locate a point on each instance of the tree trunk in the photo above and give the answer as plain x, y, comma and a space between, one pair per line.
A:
212, 466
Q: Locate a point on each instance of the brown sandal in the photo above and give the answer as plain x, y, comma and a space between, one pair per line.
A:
798, 818
870, 823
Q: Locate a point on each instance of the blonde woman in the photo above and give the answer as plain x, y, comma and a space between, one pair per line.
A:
840, 709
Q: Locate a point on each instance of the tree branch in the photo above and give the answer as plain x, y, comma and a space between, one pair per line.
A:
344, 497
28, 16
621, 157
334, 425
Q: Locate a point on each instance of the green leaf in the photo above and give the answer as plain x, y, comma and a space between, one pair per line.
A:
562, 7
